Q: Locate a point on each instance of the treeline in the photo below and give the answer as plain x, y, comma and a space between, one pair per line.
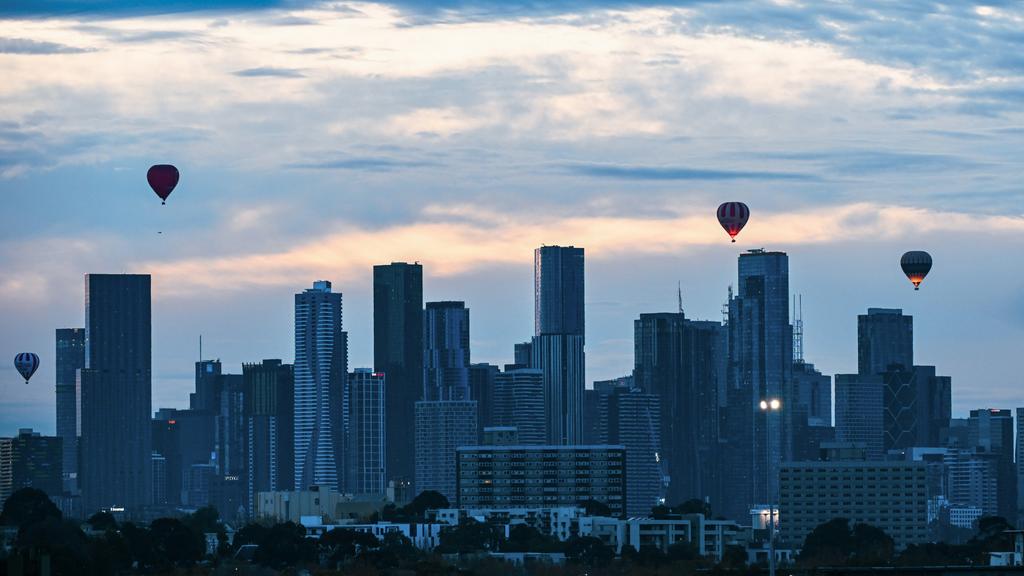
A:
179, 546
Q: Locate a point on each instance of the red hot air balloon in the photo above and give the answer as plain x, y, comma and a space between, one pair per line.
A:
733, 217
162, 179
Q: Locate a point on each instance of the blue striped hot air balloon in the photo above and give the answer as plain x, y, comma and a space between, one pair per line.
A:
27, 363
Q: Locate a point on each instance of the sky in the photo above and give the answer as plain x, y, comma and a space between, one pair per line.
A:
316, 139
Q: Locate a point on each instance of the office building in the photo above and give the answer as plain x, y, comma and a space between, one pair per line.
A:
592, 398
632, 418
812, 391
321, 366
683, 363
366, 447
918, 406
973, 479
519, 403
990, 431
560, 359
30, 460
888, 495
70, 358
160, 477
859, 417
1019, 460
182, 438
558, 290
760, 369
541, 476
115, 394
269, 395
446, 351
481, 388
885, 339
442, 426
398, 353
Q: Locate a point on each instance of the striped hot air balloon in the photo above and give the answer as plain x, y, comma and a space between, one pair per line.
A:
916, 264
733, 217
27, 363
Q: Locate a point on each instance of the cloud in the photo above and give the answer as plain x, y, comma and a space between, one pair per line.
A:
633, 172
27, 46
480, 238
368, 163
270, 72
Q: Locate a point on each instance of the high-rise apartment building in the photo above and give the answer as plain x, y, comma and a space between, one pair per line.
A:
446, 351
182, 438
442, 426
632, 418
269, 394
321, 366
557, 346
760, 369
481, 389
1019, 460
859, 418
990, 431
115, 394
30, 460
366, 435
519, 403
398, 353
885, 338
70, 358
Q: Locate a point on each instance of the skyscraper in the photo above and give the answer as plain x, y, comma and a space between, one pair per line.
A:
631, 417
760, 369
519, 403
885, 337
366, 452
442, 426
182, 438
398, 353
321, 365
446, 351
269, 392
70, 359
812, 423
30, 460
115, 394
991, 431
683, 363
481, 389
1019, 460
859, 418
558, 290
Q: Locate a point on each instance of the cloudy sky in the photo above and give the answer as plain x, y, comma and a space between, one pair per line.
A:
316, 139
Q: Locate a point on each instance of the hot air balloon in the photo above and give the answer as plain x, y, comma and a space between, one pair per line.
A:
733, 217
26, 363
916, 265
162, 179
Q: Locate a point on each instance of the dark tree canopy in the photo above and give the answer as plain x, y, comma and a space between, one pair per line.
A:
595, 508
28, 506
469, 536
588, 551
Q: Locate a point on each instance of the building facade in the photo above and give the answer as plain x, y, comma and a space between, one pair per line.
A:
519, 402
442, 426
366, 450
70, 358
321, 366
398, 353
115, 394
885, 338
446, 351
30, 460
859, 417
632, 418
541, 476
269, 394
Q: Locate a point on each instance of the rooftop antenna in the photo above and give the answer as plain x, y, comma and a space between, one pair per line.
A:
798, 328
679, 295
200, 347
725, 307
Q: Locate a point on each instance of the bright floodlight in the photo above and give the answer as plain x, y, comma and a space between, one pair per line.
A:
764, 405
775, 403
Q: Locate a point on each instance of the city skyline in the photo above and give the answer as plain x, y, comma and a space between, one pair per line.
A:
854, 135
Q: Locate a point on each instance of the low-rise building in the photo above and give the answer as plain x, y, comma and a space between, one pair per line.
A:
318, 501
892, 496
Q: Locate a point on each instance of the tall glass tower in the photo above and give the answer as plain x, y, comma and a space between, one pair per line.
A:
321, 366
70, 359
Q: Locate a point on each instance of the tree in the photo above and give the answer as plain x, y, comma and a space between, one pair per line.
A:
251, 533
467, 537
340, 546
62, 540
588, 551
871, 546
734, 557
286, 545
140, 543
828, 544
694, 506
426, 500
526, 538
595, 508
28, 506
102, 521
176, 544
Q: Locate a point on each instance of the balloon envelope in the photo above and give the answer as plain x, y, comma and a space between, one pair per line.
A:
916, 264
162, 179
27, 363
733, 217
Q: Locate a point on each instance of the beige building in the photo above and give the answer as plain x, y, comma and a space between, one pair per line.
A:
888, 495
319, 501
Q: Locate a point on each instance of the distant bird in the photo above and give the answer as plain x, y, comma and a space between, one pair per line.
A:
733, 217
26, 363
916, 264
162, 179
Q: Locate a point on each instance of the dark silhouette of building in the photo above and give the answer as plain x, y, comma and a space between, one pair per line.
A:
70, 358
481, 388
30, 460
366, 451
990, 431
183, 438
115, 395
859, 412
631, 417
812, 424
398, 353
760, 369
269, 393
321, 367
558, 290
519, 403
885, 337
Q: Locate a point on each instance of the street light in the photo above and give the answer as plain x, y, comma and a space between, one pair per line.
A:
770, 405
